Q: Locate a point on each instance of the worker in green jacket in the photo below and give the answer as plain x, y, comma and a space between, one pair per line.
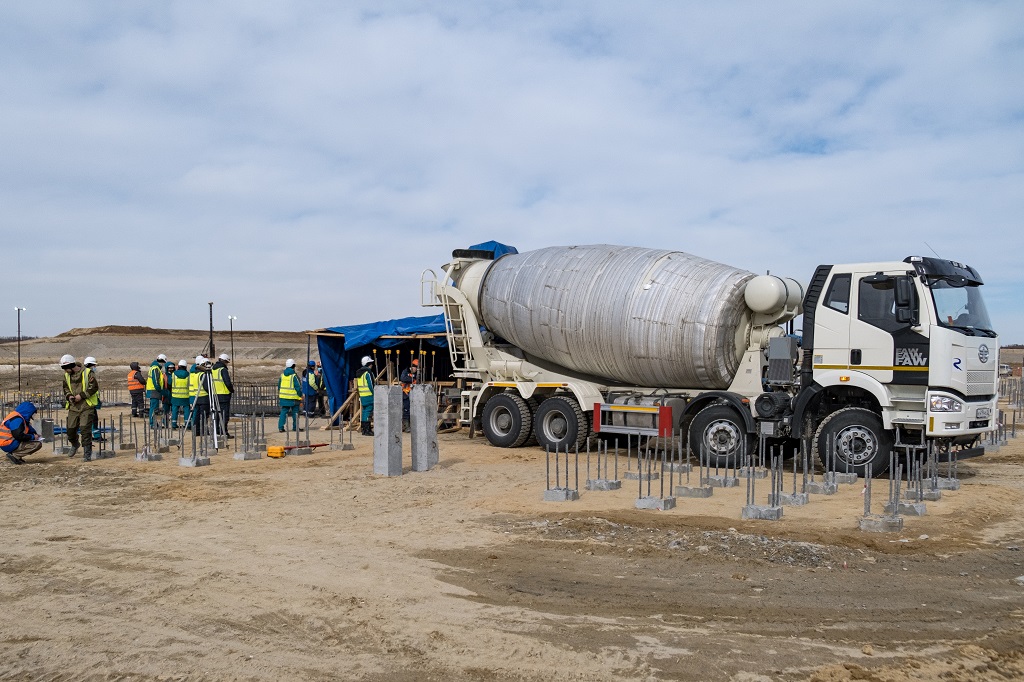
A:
156, 386
81, 396
289, 394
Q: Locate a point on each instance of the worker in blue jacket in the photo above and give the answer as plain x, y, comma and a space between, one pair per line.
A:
17, 437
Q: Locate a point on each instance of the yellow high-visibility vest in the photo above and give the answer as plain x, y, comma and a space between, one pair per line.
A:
219, 387
91, 401
286, 388
363, 382
160, 383
180, 386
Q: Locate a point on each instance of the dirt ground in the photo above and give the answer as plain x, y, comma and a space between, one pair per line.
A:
312, 568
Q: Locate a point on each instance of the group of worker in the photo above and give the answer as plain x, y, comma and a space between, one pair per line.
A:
192, 391
364, 384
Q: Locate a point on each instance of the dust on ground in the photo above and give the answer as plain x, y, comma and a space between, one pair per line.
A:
312, 568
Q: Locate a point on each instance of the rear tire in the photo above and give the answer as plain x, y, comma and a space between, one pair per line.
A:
507, 421
855, 436
720, 433
560, 423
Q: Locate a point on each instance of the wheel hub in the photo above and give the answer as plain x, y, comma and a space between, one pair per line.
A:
856, 445
555, 426
501, 421
722, 438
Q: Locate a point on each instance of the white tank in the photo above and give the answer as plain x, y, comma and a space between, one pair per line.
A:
631, 315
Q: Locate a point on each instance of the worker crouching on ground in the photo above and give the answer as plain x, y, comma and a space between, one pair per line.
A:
364, 383
81, 396
224, 388
409, 378
137, 389
17, 437
156, 386
289, 389
180, 397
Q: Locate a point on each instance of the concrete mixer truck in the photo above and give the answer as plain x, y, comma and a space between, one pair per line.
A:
557, 344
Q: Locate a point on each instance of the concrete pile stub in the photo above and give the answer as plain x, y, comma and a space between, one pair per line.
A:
387, 430
423, 427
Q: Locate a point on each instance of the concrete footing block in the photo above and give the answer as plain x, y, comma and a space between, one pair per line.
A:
949, 484
246, 456
656, 503
423, 427
694, 491
757, 472
906, 508
260, 443
637, 476
759, 512
301, 451
65, 450
794, 499
193, 461
126, 446
603, 484
146, 455
387, 430
677, 468
821, 488
881, 524
722, 481
926, 495
561, 495
840, 478
102, 454
163, 447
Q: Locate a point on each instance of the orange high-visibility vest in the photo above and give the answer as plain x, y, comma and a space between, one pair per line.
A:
133, 382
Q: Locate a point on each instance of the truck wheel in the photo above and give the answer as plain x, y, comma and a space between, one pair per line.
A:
560, 423
507, 421
720, 433
854, 436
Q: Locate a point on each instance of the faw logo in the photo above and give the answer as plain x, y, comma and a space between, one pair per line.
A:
910, 357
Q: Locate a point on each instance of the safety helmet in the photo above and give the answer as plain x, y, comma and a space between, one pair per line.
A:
66, 360
225, 357
312, 363
289, 363
89, 361
415, 363
183, 363
367, 360
200, 360
161, 358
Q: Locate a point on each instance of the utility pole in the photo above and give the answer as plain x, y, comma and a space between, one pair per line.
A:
231, 324
18, 310
213, 351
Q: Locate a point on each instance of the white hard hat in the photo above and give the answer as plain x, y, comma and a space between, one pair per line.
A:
225, 357
289, 363
89, 361
366, 360
201, 360
67, 360
161, 357
183, 363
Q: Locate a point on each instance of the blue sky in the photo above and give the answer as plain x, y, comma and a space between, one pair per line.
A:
301, 163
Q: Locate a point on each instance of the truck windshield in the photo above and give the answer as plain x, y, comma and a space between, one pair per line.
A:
960, 306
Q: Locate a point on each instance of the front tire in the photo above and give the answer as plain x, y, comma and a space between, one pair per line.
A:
560, 423
507, 421
720, 433
855, 438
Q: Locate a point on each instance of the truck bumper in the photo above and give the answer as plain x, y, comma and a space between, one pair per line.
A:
973, 418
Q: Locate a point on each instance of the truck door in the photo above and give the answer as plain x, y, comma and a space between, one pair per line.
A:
832, 324
883, 344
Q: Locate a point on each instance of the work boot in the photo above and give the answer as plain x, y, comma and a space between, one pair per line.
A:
87, 455
365, 429
74, 451
14, 458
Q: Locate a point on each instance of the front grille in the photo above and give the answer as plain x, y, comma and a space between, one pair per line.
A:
980, 376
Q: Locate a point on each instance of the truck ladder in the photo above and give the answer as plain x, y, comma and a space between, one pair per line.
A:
458, 339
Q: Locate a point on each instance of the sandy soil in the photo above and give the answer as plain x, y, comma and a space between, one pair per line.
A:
311, 568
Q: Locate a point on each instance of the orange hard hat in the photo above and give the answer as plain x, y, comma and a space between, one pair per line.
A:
416, 363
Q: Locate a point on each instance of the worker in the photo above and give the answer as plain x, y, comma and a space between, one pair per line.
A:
17, 437
201, 404
409, 378
180, 396
310, 388
193, 389
364, 383
224, 389
169, 369
81, 396
136, 389
156, 385
289, 394
321, 394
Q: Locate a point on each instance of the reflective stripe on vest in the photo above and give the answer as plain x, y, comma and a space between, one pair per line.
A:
180, 386
133, 383
363, 383
314, 381
201, 388
193, 383
218, 382
286, 388
160, 383
6, 436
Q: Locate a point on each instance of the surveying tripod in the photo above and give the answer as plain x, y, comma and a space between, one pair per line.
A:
206, 375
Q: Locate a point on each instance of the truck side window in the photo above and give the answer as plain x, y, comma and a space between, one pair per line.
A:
838, 296
876, 305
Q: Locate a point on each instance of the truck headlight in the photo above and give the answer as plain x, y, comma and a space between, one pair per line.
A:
941, 403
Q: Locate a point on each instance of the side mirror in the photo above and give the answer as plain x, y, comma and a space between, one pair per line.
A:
907, 311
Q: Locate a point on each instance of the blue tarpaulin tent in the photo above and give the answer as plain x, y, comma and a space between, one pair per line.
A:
342, 347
